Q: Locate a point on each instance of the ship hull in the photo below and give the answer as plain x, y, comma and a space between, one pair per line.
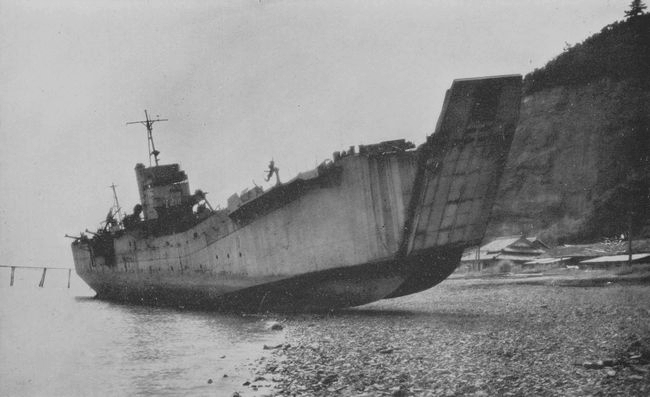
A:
317, 291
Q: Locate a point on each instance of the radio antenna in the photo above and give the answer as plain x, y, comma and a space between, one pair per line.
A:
149, 124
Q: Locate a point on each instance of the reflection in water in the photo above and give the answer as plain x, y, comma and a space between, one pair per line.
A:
55, 341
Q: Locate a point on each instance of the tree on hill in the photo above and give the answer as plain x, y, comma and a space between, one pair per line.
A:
619, 51
636, 8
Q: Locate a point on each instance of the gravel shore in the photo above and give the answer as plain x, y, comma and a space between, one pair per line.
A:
484, 337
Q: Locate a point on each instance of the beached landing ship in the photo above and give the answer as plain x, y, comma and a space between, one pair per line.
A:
382, 222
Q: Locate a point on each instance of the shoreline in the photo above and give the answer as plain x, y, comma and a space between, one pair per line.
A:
561, 334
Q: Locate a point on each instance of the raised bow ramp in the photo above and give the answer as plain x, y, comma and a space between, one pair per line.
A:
457, 178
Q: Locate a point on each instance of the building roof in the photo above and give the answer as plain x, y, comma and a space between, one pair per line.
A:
640, 246
469, 256
545, 261
588, 250
616, 258
537, 242
514, 257
523, 249
499, 243
516, 248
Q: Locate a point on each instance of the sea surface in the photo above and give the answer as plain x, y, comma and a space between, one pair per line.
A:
56, 341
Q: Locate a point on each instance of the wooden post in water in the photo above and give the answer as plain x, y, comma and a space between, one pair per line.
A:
42, 282
42, 277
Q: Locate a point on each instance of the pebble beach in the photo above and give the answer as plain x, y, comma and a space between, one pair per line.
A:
578, 334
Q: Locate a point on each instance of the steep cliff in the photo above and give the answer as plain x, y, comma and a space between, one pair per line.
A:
579, 165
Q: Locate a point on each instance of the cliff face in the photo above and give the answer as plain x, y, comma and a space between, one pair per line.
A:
574, 146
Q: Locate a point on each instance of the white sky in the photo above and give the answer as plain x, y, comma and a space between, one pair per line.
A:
240, 82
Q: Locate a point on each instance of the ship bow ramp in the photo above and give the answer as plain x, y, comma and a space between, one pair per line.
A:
458, 174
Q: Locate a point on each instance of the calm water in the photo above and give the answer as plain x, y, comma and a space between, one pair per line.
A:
56, 341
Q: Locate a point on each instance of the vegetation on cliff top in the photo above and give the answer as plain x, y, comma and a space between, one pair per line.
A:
620, 51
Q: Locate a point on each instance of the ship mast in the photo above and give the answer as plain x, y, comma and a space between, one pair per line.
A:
116, 202
149, 124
